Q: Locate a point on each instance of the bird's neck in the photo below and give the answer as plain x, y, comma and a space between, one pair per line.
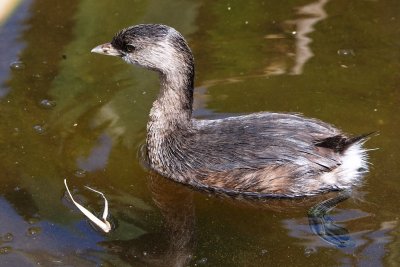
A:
172, 110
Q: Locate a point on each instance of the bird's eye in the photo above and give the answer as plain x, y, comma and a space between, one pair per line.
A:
129, 48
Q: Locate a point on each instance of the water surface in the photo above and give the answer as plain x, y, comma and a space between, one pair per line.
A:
66, 113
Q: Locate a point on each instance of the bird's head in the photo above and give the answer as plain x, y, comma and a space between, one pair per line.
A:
152, 46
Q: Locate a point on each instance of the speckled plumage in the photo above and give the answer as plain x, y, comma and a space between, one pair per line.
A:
256, 155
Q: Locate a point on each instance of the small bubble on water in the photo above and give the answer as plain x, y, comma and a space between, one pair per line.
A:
80, 173
33, 220
202, 261
17, 65
39, 129
8, 237
309, 251
37, 76
34, 231
46, 103
5, 250
346, 52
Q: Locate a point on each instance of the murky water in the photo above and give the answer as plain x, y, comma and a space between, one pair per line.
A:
66, 113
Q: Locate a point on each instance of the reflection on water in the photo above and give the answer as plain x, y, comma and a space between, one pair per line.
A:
304, 27
369, 245
10, 47
98, 157
173, 245
93, 113
295, 31
299, 29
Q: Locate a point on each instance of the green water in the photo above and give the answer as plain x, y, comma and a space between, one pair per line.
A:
338, 61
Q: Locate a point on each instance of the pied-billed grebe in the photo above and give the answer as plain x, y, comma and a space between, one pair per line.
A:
257, 155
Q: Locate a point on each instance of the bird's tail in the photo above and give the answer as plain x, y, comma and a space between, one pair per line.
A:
340, 143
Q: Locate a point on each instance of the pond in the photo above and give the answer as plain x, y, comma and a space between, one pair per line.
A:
69, 114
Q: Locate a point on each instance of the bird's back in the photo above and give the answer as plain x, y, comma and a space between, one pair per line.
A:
262, 153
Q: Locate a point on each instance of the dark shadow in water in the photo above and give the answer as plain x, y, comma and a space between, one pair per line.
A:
175, 244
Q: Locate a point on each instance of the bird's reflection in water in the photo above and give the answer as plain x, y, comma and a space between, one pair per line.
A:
175, 244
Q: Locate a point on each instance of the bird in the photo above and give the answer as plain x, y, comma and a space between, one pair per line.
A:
258, 155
